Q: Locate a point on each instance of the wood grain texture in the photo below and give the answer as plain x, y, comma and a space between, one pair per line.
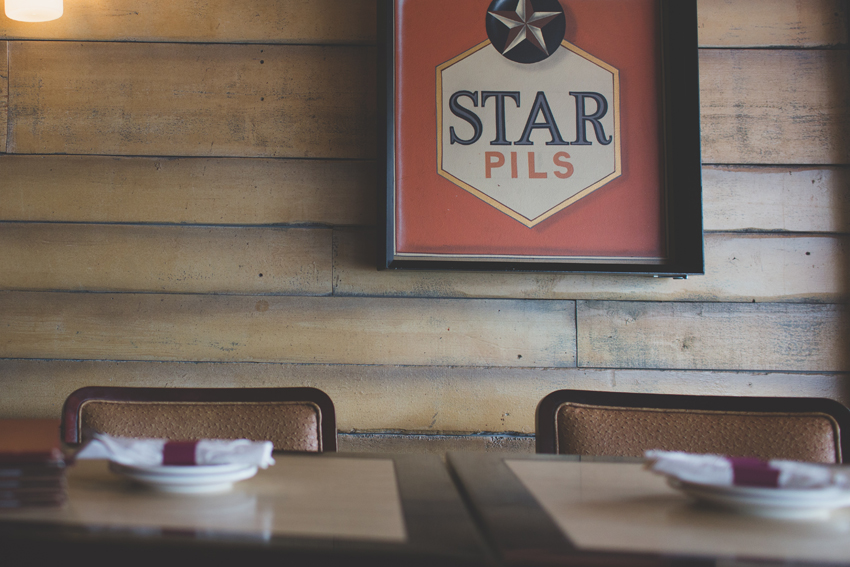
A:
86, 257
216, 191
775, 107
772, 23
211, 191
4, 93
435, 399
287, 329
767, 336
213, 21
218, 100
776, 199
722, 23
192, 100
744, 267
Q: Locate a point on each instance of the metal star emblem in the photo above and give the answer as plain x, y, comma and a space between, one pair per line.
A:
525, 24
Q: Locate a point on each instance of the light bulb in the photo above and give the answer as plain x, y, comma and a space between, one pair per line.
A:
33, 10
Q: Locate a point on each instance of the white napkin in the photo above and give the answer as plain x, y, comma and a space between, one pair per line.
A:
718, 470
150, 452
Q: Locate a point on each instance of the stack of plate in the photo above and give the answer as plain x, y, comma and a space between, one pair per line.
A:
32, 464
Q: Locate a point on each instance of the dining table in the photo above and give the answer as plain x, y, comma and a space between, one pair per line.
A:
306, 509
546, 510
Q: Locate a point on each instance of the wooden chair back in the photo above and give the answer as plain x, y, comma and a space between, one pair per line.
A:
624, 424
293, 419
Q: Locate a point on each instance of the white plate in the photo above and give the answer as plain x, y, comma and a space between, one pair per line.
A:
769, 502
187, 479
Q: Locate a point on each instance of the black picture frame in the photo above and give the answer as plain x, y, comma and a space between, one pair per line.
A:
681, 172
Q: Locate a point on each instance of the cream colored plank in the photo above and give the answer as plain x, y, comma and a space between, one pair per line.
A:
766, 336
772, 23
430, 400
192, 100
209, 21
287, 329
745, 267
188, 190
4, 93
79, 257
775, 107
778, 199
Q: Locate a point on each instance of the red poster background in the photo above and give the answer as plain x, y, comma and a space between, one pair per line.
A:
621, 219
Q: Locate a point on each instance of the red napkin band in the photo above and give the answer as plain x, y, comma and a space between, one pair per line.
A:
753, 472
179, 453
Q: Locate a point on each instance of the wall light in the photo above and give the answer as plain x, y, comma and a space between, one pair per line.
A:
33, 10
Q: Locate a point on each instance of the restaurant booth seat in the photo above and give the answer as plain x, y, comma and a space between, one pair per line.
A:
293, 419
619, 424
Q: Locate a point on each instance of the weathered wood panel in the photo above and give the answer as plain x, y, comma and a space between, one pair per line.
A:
776, 199
4, 93
746, 267
767, 23
274, 191
86, 257
192, 100
211, 191
397, 398
767, 336
211, 100
722, 23
213, 21
775, 107
287, 329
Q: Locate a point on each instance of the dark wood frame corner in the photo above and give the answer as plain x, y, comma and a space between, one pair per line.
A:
681, 150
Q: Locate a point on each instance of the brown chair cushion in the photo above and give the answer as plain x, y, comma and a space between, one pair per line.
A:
290, 426
618, 431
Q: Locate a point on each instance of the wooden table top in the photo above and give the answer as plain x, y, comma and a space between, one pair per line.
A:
320, 509
550, 510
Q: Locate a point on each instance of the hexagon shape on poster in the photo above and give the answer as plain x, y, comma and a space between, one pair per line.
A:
529, 140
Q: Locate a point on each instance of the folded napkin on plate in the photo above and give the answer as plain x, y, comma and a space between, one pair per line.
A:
718, 470
155, 452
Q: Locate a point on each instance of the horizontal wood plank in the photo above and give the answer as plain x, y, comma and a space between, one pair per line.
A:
223, 191
772, 23
174, 259
775, 107
4, 93
287, 329
744, 267
722, 23
766, 336
157, 99
776, 199
242, 21
211, 191
192, 100
397, 398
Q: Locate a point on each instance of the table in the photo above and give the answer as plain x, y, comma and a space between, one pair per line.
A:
316, 509
567, 510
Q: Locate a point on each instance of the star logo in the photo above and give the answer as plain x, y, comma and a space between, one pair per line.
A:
525, 31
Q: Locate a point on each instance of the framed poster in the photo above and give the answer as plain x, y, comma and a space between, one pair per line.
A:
541, 135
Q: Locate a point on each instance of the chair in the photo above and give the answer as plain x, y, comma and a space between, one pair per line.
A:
624, 424
293, 419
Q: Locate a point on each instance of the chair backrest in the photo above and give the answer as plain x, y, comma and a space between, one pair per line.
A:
293, 419
624, 424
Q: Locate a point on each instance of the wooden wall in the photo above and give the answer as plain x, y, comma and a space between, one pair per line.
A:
187, 198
